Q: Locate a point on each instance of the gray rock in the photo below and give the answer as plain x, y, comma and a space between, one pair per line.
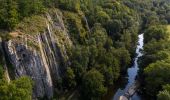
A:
42, 64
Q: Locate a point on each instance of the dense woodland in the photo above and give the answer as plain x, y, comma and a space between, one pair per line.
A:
103, 47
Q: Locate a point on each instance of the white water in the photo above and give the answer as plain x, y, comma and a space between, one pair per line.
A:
132, 71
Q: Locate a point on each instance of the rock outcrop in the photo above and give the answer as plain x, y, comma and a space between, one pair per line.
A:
40, 56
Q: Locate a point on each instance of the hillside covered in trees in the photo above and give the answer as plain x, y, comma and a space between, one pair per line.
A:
77, 49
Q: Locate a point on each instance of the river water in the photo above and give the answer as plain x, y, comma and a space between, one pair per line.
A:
132, 72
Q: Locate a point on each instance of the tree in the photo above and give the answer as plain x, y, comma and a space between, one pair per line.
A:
99, 35
13, 11
69, 78
155, 32
20, 89
102, 17
8, 14
167, 87
92, 85
3, 14
1, 72
30, 7
79, 58
24, 7
165, 94
123, 56
12, 14
157, 74
72, 5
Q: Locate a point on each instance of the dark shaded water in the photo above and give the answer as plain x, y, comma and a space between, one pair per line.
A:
126, 82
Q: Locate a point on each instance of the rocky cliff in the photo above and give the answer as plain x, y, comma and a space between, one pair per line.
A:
40, 56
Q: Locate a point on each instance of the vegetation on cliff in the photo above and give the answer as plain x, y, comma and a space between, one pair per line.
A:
19, 89
104, 35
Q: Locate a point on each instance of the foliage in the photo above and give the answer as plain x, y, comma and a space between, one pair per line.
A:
12, 11
165, 94
20, 89
32, 25
69, 79
8, 14
92, 86
1, 72
157, 74
104, 35
109, 44
156, 60
75, 27
73, 5
156, 32
30, 7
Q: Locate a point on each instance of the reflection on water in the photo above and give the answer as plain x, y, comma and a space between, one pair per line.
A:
124, 83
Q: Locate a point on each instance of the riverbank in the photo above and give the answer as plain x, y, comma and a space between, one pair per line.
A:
126, 82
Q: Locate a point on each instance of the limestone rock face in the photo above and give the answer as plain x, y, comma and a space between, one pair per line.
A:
30, 63
42, 63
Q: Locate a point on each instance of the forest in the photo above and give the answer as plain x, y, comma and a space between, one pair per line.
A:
104, 35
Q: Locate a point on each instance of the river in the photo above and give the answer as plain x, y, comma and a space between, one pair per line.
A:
126, 82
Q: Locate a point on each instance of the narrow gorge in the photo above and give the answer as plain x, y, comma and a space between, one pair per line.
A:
84, 49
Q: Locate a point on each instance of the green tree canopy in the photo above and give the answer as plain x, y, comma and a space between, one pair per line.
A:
92, 85
69, 78
20, 89
157, 74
